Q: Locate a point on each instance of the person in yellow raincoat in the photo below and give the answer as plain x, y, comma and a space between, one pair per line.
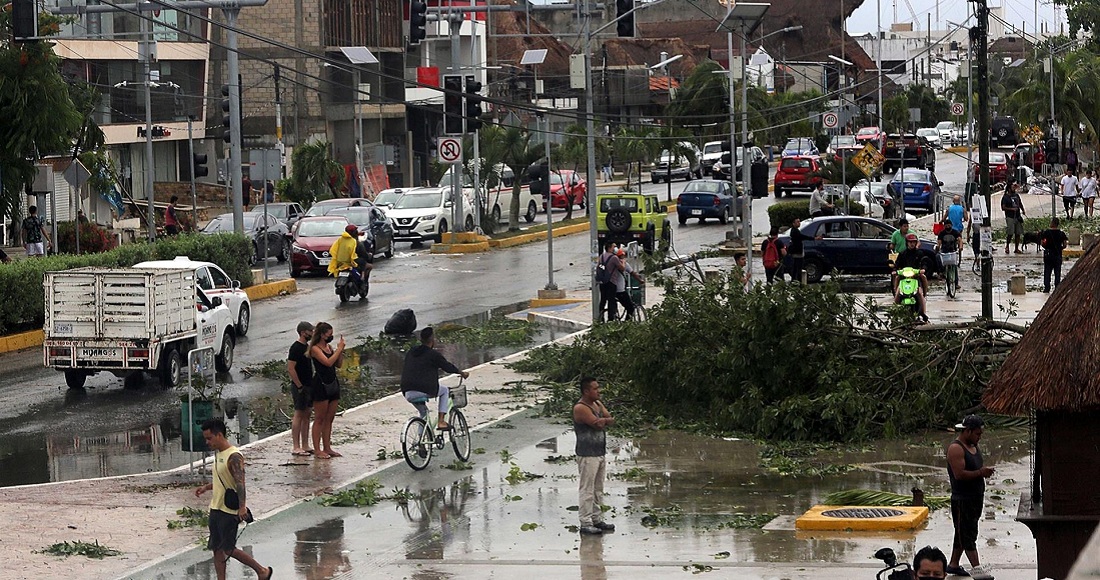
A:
343, 251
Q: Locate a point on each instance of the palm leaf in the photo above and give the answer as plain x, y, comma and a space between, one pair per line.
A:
881, 498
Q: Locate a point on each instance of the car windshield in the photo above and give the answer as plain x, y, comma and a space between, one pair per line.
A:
278, 211
224, 223
418, 201
842, 140
322, 208
446, 180
794, 163
911, 175
945, 126
797, 144
556, 179
609, 203
703, 187
868, 131
928, 133
997, 158
712, 148
356, 215
387, 198
321, 228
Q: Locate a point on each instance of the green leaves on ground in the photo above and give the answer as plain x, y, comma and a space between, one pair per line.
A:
365, 493
881, 498
496, 331
191, 518
800, 459
78, 548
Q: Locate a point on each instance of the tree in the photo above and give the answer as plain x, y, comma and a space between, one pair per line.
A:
39, 117
634, 145
1083, 16
895, 113
514, 148
1076, 91
315, 175
703, 100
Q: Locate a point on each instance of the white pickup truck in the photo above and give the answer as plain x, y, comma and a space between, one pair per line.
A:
129, 321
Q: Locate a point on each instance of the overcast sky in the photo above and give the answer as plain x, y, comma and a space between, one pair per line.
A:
1018, 12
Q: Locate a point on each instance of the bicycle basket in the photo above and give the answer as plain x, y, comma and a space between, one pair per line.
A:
458, 396
950, 259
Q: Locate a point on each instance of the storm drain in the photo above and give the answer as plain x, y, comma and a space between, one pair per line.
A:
863, 513
861, 518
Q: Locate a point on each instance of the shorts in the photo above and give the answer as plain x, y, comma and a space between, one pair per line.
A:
317, 391
976, 243
35, 249
1013, 227
223, 531
303, 398
965, 513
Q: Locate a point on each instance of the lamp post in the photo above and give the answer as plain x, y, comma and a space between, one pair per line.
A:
842, 81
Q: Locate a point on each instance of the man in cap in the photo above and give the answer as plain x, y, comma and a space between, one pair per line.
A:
967, 473
300, 368
917, 258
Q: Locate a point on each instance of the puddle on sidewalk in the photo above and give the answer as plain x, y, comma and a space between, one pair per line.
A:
120, 432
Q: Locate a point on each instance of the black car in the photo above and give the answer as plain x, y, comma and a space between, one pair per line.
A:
1003, 132
373, 222
850, 245
288, 212
258, 227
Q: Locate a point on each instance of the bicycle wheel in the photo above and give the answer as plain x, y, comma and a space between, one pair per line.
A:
951, 276
460, 435
417, 443
639, 313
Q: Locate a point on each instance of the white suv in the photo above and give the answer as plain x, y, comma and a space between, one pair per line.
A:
424, 213
214, 283
712, 153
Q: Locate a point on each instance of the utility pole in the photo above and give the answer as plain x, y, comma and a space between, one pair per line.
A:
978, 35
454, 23
147, 54
279, 121
590, 171
234, 71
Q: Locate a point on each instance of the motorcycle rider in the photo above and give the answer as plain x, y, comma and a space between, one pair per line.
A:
916, 258
348, 251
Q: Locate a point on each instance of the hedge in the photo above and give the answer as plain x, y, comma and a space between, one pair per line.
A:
24, 303
781, 214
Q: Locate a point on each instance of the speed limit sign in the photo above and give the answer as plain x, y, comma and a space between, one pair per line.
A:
830, 120
956, 109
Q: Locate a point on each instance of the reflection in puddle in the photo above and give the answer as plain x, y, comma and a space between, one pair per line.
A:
319, 550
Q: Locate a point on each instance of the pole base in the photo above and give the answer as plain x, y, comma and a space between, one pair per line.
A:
551, 294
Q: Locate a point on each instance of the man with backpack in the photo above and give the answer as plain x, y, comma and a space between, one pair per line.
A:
607, 267
773, 252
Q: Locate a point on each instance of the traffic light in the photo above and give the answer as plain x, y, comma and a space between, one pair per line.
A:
625, 17
418, 19
452, 104
538, 177
199, 161
227, 120
473, 104
24, 19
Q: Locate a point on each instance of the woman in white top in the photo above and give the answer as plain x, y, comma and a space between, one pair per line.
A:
1088, 192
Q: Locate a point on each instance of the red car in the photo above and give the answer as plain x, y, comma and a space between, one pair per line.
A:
873, 135
794, 174
567, 184
999, 167
312, 237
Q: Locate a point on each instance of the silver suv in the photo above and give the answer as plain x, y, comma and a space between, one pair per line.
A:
671, 166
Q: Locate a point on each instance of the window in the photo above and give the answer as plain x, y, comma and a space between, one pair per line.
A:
649, 205
219, 278
796, 163
873, 231
630, 204
202, 278
838, 229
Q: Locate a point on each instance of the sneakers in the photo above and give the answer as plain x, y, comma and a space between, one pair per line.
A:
591, 530
605, 526
979, 573
956, 571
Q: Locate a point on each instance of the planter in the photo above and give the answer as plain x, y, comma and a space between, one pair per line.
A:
1074, 235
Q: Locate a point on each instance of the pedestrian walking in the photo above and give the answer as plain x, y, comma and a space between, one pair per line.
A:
590, 422
1088, 192
967, 473
300, 368
171, 223
269, 191
34, 231
1053, 240
325, 387
956, 213
773, 251
228, 505
1013, 207
1070, 190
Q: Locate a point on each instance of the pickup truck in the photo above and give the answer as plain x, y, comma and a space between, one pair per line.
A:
908, 150
129, 321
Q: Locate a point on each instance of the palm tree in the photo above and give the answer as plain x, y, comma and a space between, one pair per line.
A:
314, 171
703, 100
514, 148
634, 145
1076, 90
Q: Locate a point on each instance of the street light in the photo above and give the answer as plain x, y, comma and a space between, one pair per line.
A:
842, 85
665, 61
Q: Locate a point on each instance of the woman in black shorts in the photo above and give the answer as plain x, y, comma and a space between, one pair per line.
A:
325, 387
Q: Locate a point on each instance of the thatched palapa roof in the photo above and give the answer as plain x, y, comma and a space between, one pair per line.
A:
1056, 364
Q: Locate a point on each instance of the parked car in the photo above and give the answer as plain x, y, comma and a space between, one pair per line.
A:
756, 157
708, 198
948, 132
567, 187
498, 195
375, 228
258, 228
1000, 167
884, 193
841, 141
1027, 155
907, 150
387, 197
324, 206
932, 136
919, 188
849, 245
424, 213
799, 146
287, 211
712, 152
671, 166
797, 174
312, 239
633, 217
872, 135
1003, 132
214, 282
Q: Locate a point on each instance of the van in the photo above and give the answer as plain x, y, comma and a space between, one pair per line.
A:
712, 152
498, 195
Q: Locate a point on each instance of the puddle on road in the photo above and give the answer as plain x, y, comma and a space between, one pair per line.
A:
119, 432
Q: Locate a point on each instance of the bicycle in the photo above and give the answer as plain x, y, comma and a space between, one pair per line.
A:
636, 291
419, 438
950, 261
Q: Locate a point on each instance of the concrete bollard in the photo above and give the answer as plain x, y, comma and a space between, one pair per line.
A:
1074, 235
1087, 240
1017, 284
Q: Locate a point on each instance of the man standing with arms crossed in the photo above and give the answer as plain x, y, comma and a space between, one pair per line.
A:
300, 368
967, 473
590, 422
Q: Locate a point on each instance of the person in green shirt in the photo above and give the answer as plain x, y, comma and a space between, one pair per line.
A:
897, 240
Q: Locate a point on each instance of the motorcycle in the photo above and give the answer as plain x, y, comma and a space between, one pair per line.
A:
893, 570
350, 282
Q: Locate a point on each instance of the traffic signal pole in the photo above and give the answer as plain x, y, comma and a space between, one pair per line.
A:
979, 35
233, 65
146, 76
191, 174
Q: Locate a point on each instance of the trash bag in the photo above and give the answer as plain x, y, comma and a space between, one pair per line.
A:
402, 322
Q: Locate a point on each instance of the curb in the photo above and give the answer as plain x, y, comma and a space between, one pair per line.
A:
544, 302
537, 236
471, 248
33, 338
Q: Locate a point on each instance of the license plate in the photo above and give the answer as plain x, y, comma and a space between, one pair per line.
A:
796, 181
344, 273
323, 261
63, 328
101, 353
403, 232
696, 212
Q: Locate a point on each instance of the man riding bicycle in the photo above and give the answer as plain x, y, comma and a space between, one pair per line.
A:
916, 258
420, 377
947, 242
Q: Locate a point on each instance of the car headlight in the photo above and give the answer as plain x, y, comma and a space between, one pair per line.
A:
298, 249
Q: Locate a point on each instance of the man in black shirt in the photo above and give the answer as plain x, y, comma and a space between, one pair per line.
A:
1053, 240
420, 376
967, 473
795, 250
1013, 207
300, 368
918, 259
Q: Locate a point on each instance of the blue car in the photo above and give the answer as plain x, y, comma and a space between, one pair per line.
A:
800, 146
919, 188
708, 198
850, 245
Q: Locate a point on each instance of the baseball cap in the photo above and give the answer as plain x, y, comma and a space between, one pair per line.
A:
971, 422
304, 326
911, 237
351, 229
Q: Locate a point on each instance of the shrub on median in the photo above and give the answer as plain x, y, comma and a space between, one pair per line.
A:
781, 214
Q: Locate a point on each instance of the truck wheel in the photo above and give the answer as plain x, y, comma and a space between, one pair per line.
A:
170, 369
666, 237
224, 359
75, 379
649, 242
243, 320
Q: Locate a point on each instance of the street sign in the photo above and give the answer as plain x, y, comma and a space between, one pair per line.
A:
450, 150
830, 120
868, 160
956, 109
264, 165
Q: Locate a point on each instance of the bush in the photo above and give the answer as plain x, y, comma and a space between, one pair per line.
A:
23, 307
93, 239
783, 213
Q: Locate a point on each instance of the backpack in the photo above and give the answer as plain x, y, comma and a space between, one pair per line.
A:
771, 255
603, 273
949, 243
